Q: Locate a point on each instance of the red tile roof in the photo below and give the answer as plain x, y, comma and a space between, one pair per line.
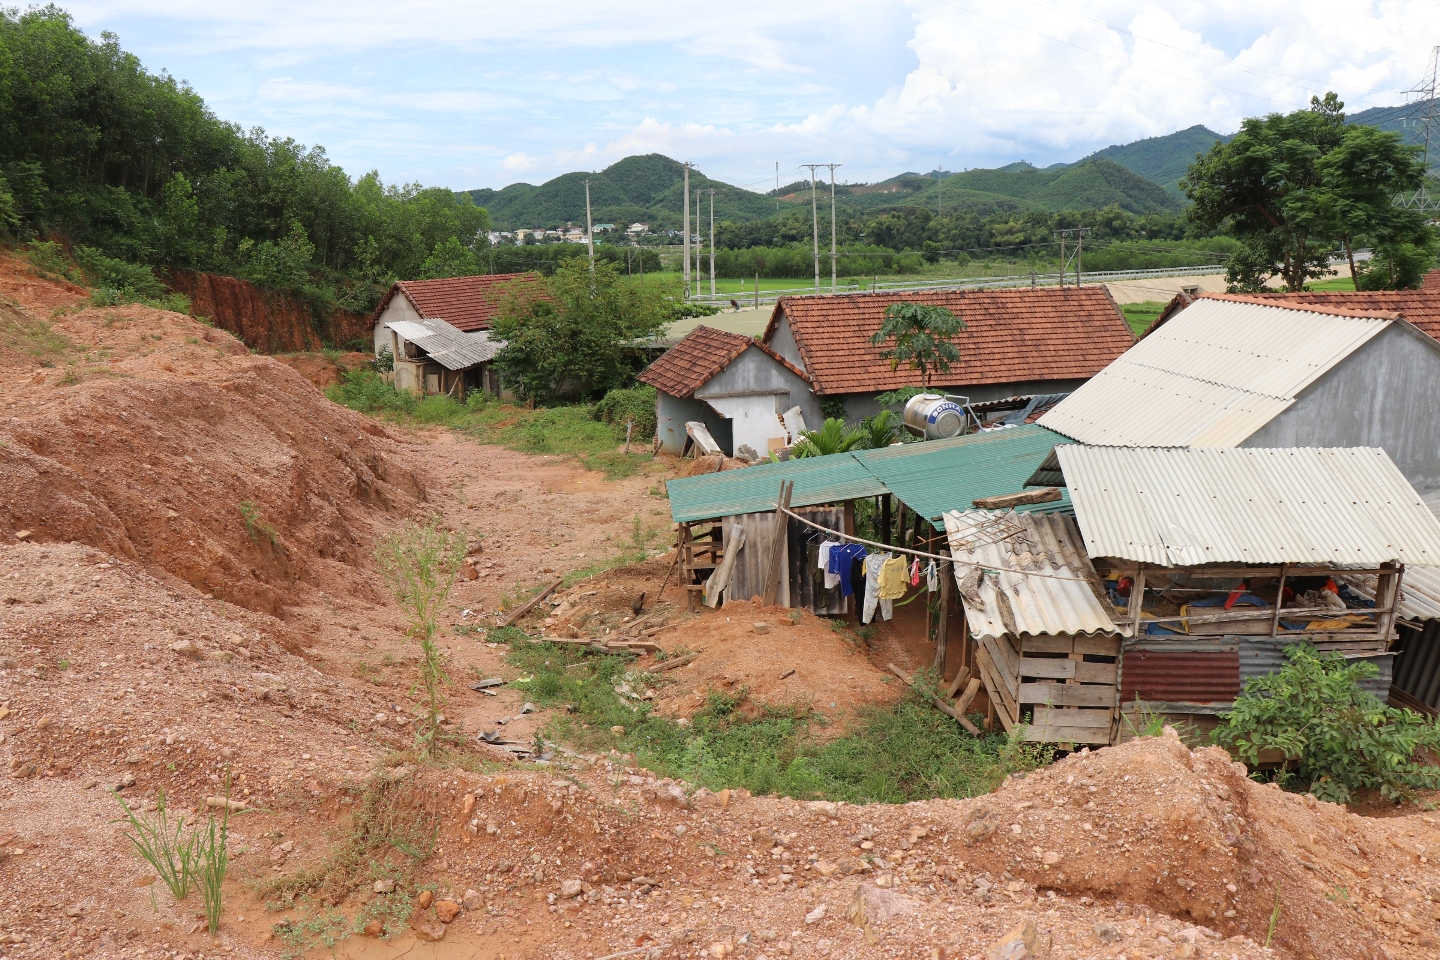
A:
466, 303
1011, 336
700, 355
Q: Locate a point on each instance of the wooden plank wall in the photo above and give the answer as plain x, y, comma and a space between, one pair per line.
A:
1063, 687
751, 564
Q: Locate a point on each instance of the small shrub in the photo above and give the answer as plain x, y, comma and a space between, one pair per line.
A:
164, 844
636, 403
49, 259
364, 390
1337, 737
256, 527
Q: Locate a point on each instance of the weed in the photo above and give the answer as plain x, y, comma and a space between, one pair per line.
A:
24, 334
213, 857
893, 755
420, 564
322, 929
70, 377
257, 528
50, 259
1143, 722
64, 663
163, 844
1274, 920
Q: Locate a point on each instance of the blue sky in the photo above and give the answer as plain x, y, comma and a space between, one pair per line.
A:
486, 94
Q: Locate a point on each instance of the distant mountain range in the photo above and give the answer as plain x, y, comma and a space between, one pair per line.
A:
1140, 177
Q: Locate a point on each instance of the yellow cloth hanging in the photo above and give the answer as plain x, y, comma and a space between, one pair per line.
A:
894, 578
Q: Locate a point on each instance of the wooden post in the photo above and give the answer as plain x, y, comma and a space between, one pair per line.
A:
942, 638
1279, 599
629, 426
885, 518
1137, 602
1387, 598
777, 544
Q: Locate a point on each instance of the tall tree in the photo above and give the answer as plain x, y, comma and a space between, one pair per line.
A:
1292, 186
919, 334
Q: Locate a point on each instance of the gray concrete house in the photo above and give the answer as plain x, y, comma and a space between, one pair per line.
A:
1238, 371
735, 385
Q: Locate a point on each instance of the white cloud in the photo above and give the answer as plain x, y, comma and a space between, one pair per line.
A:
518, 162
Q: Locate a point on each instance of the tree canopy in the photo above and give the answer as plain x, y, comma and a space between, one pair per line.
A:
1294, 187
919, 335
96, 150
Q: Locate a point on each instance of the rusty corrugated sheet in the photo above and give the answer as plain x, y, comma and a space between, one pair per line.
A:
1179, 676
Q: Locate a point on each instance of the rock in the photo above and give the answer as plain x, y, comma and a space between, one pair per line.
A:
871, 905
187, 648
374, 929
447, 910
1018, 944
428, 930
618, 730
128, 780
760, 627
569, 889
1108, 933
978, 831
1050, 858
472, 900
469, 572
385, 886
222, 803
816, 915
423, 901
24, 534
826, 869
822, 808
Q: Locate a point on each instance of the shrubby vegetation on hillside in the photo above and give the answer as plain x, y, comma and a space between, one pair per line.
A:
96, 150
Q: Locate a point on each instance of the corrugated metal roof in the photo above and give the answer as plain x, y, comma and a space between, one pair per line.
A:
937, 476
1419, 587
453, 349
1180, 676
1190, 506
929, 478
1210, 376
1061, 594
753, 489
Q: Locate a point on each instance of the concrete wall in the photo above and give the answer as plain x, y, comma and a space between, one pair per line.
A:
671, 415
783, 342
399, 308
752, 392
1386, 394
858, 406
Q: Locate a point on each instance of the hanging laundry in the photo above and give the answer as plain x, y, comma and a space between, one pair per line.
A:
915, 572
832, 579
841, 559
874, 565
932, 578
893, 579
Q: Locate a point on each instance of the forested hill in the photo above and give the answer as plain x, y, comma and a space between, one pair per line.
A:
1163, 160
649, 189
132, 170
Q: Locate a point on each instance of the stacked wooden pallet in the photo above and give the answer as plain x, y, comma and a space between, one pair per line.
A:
1062, 687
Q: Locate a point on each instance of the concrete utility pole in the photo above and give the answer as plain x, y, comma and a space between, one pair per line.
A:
686, 280
832, 167
1079, 234
777, 186
815, 217
589, 228
712, 242
699, 241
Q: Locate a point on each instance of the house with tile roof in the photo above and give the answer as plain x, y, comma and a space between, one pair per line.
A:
1027, 341
744, 392
459, 312
1232, 370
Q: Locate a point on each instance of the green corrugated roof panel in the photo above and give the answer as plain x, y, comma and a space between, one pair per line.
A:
939, 475
754, 489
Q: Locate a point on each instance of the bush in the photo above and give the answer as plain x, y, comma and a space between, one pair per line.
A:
636, 403
1337, 738
366, 391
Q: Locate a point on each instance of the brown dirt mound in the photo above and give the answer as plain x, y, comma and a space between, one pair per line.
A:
323, 370
153, 436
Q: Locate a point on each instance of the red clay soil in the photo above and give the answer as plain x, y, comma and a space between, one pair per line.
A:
266, 321
151, 639
323, 370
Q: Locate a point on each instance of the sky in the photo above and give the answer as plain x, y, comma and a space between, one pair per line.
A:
487, 94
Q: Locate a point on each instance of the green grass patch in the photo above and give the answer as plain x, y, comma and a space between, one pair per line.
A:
1337, 283
575, 430
893, 755
1142, 316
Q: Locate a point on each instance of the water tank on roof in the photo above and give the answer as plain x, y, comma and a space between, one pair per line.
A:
935, 417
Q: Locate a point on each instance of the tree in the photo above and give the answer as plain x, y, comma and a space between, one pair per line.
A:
1291, 186
576, 337
832, 437
450, 258
920, 336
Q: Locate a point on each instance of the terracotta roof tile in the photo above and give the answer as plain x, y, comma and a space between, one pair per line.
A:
700, 354
1421, 307
466, 303
1011, 336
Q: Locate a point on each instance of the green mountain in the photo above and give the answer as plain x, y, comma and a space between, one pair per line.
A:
649, 188
1162, 160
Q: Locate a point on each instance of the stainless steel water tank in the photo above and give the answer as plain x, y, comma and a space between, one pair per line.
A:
934, 417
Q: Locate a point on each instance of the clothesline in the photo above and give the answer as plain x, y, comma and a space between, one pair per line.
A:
928, 556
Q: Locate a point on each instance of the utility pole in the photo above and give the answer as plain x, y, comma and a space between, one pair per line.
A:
1079, 234
699, 242
815, 217
589, 228
777, 186
686, 280
1424, 124
712, 241
940, 188
832, 167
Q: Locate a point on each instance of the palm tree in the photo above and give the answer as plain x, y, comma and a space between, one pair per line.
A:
833, 437
921, 336
882, 430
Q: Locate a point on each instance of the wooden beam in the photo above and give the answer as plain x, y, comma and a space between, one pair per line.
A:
529, 605
720, 579
1025, 497
942, 629
939, 704
777, 544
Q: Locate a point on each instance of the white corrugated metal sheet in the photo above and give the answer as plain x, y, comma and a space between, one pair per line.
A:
1212, 375
1419, 587
451, 348
1189, 506
1033, 566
